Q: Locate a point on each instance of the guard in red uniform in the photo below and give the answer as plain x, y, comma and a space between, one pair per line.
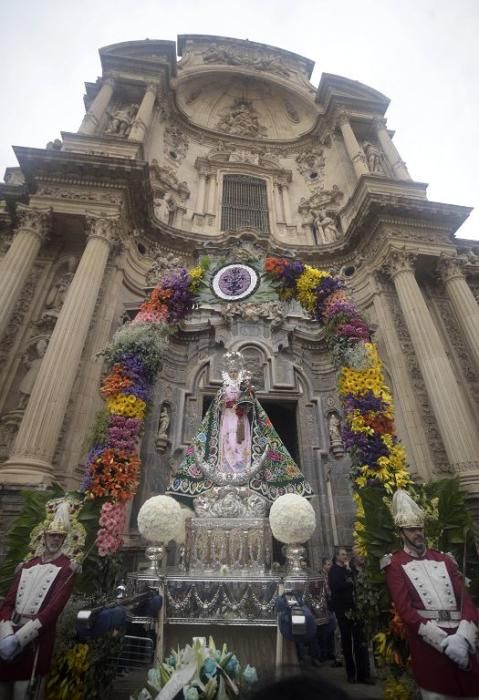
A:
29, 612
431, 598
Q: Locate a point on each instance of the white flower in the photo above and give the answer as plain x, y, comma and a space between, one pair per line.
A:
159, 519
292, 519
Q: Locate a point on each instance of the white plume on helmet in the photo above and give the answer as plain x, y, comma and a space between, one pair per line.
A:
406, 513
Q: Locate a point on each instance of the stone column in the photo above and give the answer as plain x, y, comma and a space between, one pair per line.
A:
211, 207
18, 261
462, 300
144, 115
392, 154
456, 425
278, 203
30, 461
200, 199
97, 108
354, 150
286, 206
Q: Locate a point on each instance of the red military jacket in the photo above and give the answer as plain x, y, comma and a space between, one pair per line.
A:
432, 582
44, 601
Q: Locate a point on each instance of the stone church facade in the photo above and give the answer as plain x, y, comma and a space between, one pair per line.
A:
226, 150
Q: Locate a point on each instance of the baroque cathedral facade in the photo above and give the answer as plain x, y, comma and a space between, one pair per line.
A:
223, 148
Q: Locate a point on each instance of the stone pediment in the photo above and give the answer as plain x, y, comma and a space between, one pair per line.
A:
334, 89
148, 50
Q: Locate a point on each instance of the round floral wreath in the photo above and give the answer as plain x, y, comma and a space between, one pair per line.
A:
134, 357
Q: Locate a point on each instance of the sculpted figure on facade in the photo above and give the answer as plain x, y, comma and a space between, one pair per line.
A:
161, 440
121, 120
334, 429
56, 295
241, 119
374, 158
162, 262
311, 162
32, 365
325, 227
175, 143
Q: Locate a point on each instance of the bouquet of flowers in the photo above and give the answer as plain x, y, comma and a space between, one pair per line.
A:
198, 672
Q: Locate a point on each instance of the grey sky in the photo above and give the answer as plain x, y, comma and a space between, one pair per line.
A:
422, 54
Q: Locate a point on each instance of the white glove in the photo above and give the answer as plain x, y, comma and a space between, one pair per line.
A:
457, 649
8, 647
432, 634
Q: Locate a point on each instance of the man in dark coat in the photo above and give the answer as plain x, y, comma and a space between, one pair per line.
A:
353, 638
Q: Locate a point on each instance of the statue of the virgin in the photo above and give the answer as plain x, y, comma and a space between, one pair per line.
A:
237, 446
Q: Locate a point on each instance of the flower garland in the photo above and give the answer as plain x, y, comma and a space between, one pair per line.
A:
133, 358
369, 434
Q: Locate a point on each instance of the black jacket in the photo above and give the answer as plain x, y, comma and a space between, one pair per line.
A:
342, 588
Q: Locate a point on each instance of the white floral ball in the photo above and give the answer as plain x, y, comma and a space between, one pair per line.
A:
292, 519
159, 519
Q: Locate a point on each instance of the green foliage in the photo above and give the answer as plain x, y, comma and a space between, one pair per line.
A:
96, 434
18, 538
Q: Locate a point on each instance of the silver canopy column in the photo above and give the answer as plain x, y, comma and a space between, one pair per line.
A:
30, 461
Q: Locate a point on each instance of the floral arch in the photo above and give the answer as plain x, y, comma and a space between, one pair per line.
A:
134, 357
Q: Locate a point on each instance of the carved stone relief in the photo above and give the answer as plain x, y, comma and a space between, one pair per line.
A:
237, 57
162, 263
241, 119
291, 111
80, 195
175, 144
56, 296
311, 165
21, 309
32, 359
456, 338
273, 311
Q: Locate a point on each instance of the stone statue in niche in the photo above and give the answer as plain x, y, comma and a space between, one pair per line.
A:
374, 158
58, 291
121, 120
335, 439
163, 425
165, 208
325, 227
32, 365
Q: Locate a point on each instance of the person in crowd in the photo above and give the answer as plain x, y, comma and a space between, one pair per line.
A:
431, 598
352, 629
326, 632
